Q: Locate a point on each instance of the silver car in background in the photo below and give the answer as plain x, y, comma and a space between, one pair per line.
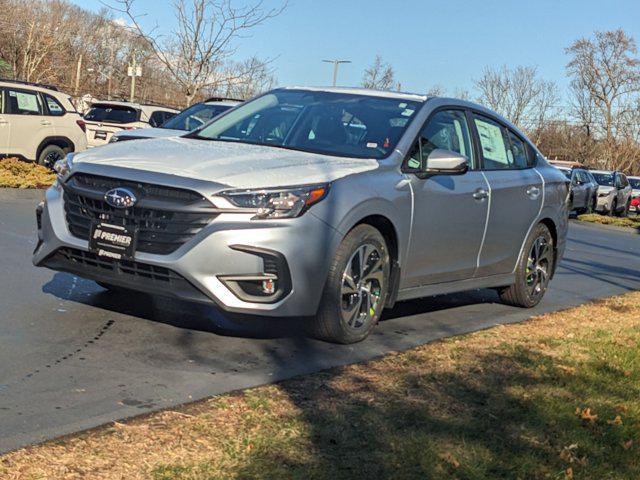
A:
614, 193
327, 204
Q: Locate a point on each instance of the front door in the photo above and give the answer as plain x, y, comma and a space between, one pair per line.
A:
516, 195
450, 211
29, 125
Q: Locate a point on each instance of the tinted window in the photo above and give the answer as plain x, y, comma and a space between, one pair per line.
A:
447, 130
566, 172
496, 150
623, 180
22, 102
112, 114
635, 183
195, 116
54, 106
604, 179
331, 123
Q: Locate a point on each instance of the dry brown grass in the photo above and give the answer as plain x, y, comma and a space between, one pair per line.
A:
15, 173
508, 402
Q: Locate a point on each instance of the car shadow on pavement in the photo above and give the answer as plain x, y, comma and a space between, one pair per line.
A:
206, 318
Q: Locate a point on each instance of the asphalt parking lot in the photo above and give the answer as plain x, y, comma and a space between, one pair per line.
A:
73, 356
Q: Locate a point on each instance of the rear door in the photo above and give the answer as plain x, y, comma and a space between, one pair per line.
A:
516, 191
4, 126
579, 187
28, 124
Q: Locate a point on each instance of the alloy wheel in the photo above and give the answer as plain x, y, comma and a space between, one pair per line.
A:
51, 159
538, 266
362, 286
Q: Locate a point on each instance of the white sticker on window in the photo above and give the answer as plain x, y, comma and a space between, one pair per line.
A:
27, 102
372, 145
407, 112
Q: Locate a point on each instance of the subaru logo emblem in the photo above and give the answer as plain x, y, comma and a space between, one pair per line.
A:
120, 198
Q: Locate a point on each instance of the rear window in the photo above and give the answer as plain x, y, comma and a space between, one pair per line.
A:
635, 183
112, 114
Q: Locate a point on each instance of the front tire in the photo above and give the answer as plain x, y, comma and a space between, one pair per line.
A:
533, 271
356, 288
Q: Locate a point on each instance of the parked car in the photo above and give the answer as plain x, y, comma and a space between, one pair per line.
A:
330, 203
106, 118
189, 119
38, 123
583, 196
635, 194
614, 192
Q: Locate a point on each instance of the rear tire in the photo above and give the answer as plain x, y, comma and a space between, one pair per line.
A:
356, 288
50, 155
625, 211
533, 271
614, 207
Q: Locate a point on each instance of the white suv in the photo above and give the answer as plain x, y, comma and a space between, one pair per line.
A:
38, 123
106, 118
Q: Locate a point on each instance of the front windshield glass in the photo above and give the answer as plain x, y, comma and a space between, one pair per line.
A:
604, 179
195, 116
321, 122
635, 183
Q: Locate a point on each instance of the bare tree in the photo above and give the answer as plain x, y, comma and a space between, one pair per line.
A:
435, 91
204, 40
379, 76
605, 72
248, 79
518, 94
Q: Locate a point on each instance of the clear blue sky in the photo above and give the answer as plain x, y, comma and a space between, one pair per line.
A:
444, 42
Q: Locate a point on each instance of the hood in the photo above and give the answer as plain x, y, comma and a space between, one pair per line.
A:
238, 165
150, 133
604, 189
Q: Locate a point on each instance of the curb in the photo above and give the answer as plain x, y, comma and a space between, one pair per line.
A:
600, 226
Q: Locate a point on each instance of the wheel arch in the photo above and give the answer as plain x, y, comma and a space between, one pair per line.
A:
390, 234
63, 142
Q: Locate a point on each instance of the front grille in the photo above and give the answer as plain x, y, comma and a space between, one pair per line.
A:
165, 217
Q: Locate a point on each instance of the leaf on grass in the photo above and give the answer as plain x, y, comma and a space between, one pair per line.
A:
568, 473
585, 414
627, 373
615, 421
628, 444
621, 409
566, 453
450, 459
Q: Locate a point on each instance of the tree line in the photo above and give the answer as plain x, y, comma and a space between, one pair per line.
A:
58, 43
596, 123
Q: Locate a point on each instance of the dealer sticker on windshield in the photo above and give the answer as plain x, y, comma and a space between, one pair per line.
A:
112, 241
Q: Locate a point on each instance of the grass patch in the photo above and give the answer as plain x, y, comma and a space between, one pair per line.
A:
632, 221
557, 397
15, 173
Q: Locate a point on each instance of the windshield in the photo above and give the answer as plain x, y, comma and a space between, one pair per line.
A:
320, 122
195, 116
604, 179
567, 173
635, 183
112, 114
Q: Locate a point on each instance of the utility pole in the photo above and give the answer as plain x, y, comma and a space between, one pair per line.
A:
78, 72
336, 64
134, 71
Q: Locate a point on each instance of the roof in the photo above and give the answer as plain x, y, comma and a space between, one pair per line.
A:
414, 97
30, 84
132, 104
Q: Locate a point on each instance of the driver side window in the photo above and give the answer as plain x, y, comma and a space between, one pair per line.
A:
447, 130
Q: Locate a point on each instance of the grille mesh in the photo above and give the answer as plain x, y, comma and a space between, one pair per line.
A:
165, 217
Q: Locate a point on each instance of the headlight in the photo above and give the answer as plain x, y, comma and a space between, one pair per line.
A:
277, 203
113, 139
604, 194
63, 167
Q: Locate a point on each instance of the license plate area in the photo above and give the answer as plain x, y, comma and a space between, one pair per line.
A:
113, 241
100, 135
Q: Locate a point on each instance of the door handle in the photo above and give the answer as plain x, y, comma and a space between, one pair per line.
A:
45, 122
533, 192
480, 194
3, 121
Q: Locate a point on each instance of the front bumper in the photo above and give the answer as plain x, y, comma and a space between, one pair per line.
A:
205, 268
604, 204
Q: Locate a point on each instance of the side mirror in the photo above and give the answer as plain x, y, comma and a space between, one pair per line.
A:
446, 162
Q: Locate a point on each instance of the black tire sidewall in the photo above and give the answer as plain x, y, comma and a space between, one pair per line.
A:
330, 306
521, 271
46, 151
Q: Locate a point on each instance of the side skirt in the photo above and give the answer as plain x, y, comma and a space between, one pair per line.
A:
458, 286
